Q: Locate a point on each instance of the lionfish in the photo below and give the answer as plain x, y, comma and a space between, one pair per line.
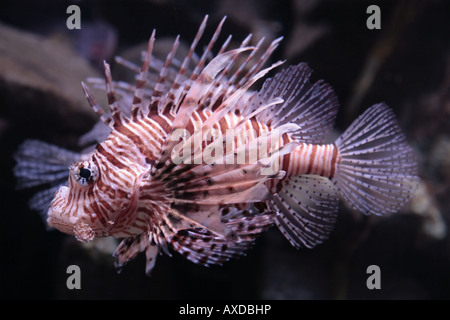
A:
193, 160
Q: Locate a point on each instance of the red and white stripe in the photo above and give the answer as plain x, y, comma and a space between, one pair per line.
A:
313, 159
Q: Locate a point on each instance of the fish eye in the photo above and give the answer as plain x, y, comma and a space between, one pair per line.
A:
84, 172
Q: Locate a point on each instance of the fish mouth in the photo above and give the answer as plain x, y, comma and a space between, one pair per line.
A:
55, 216
76, 227
57, 221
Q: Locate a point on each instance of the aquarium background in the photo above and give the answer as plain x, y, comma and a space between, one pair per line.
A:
406, 64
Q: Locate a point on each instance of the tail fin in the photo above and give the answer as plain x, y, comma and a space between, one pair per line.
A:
377, 170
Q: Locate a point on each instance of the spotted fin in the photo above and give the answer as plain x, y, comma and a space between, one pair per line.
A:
199, 245
205, 217
313, 106
202, 247
377, 170
307, 207
130, 247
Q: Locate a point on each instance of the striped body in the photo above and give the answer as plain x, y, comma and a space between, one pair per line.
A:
199, 163
130, 151
312, 159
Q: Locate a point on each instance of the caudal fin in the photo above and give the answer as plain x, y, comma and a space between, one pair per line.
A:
377, 170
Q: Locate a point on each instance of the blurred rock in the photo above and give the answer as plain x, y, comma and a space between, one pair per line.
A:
425, 205
440, 158
42, 76
303, 33
302, 36
97, 42
250, 16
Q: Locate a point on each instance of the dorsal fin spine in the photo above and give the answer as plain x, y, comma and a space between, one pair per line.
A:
158, 91
97, 109
183, 68
258, 65
142, 79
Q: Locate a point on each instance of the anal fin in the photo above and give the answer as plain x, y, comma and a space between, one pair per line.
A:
205, 217
307, 207
204, 248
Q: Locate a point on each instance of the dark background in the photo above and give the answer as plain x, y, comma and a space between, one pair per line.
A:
410, 59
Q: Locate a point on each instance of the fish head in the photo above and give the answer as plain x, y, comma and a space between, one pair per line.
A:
70, 210
90, 205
